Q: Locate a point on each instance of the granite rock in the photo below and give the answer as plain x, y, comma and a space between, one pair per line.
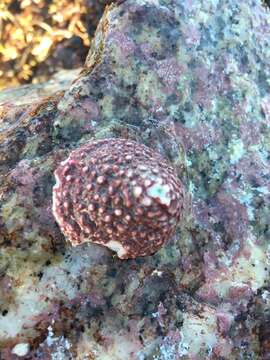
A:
189, 79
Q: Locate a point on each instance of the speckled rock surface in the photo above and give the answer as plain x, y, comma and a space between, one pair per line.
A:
189, 79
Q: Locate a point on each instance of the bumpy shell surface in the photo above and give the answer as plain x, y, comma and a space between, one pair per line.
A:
120, 194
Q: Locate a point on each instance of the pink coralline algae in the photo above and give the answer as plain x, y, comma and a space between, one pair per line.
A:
120, 194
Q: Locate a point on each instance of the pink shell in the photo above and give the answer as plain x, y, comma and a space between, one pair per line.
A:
120, 194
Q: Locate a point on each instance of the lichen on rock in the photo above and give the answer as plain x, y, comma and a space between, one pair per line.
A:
189, 79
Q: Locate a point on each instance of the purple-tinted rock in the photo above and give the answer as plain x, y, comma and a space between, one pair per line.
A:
188, 79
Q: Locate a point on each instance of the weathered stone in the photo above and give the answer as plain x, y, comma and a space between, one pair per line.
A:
188, 79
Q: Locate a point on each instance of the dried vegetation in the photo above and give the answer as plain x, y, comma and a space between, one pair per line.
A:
39, 37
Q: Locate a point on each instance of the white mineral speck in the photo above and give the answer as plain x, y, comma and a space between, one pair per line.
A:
236, 150
157, 272
21, 349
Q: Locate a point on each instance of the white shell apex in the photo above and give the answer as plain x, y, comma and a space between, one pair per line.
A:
161, 192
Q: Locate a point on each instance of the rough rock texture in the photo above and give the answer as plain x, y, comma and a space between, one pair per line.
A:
28, 94
190, 79
120, 194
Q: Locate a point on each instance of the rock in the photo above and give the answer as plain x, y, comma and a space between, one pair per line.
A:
28, 94
189, 80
